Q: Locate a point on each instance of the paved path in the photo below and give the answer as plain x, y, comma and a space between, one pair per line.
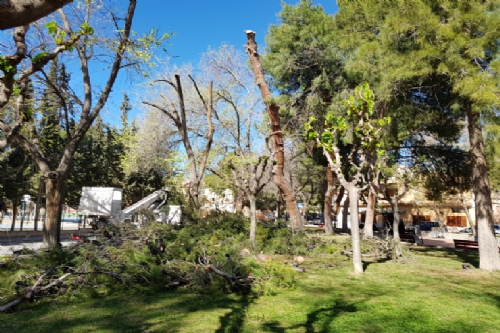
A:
7, 247
28, 226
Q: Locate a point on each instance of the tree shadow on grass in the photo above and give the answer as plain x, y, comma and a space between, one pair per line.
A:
463, 256
367, 263
164, 313
233, 321
496, 297
318, 321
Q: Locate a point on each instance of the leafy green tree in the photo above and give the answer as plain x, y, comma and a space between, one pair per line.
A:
147, 161
15, 175
54, 113
238, 144
307, 69
97, 162
304, 64
178, 114
68, 33
365, 150
125, 108
443, 57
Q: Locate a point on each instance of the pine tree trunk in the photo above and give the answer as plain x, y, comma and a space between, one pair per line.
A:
54, 185
327, 208
353, 193
370, 214
488, 246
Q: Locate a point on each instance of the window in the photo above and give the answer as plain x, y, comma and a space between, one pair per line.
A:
456, 221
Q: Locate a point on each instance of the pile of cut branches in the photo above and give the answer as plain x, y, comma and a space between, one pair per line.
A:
122, 258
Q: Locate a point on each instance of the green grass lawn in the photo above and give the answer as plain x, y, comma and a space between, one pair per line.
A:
430, 292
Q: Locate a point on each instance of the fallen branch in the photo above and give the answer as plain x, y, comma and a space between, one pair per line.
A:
365, 255
28, 293
232, 279
36, 290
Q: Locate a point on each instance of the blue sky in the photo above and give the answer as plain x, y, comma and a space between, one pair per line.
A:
197, 25
200, 24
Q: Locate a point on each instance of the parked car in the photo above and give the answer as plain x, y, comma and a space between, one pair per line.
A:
496, 229
428, 225
266, 216
466, 230
316, 219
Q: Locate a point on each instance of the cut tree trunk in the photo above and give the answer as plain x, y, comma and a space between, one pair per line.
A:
276, 133
16, 13
488, 246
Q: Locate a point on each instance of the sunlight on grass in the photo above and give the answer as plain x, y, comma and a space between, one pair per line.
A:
429, 293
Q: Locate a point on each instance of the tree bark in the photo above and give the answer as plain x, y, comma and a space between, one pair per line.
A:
345, 212
469, 217
253, 217
353, 193
54, 194
179, 118
395, 224
17, 13
338, 200
278, 145
488, 246
38, 204
55, 181
327, 208
14, 211
238, 202
370, 214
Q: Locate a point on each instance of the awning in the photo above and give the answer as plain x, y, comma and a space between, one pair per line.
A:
382, 211
388, 211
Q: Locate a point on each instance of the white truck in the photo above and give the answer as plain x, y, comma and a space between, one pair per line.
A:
101, 202
106, 202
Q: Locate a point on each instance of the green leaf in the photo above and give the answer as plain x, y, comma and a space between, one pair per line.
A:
52, 28
39, 57
86, 29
